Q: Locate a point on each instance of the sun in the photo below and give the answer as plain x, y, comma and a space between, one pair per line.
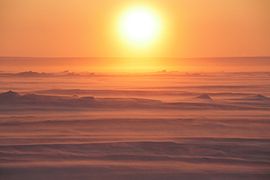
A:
140, 26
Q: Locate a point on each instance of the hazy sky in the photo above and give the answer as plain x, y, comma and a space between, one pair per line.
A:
83, 28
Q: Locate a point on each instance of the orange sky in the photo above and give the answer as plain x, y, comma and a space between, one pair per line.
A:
84, 28
87, 28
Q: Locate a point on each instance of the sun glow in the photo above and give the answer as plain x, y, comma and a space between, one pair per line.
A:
140, 26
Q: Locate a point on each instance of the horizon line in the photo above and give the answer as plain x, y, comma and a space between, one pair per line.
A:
126, 57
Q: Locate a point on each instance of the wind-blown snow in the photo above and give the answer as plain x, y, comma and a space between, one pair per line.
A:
152, 127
